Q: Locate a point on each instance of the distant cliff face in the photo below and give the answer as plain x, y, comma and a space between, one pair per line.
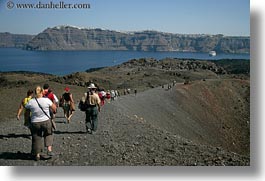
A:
14, 40
72, 38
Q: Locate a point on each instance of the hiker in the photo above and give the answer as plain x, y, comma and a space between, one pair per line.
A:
47, 92
174, 83
102, 96
68, 104
112, 95
117, 93
135, 92
93, 101
41, 125
169, 87
124, 92
22, 107
128, 91
108, 96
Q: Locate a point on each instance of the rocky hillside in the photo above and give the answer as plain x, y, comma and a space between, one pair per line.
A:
73, 38
171, 121
212, 112
14, 40
149, 73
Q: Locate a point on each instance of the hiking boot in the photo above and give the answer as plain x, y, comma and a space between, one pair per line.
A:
89, 131
50, 153
36, 157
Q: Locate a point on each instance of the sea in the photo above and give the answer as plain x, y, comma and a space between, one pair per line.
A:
67, 62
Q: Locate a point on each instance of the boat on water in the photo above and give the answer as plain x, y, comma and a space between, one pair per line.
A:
212, 53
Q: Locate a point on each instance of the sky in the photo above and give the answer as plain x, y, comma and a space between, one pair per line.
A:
227, 17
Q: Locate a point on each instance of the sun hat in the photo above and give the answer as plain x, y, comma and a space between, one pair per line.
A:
67, 89
91, 86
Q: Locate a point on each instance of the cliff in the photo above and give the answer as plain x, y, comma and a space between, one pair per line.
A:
14, 40
73, 38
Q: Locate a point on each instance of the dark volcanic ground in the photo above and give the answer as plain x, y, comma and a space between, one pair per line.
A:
153, 128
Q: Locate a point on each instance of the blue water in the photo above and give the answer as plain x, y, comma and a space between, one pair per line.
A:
66, 62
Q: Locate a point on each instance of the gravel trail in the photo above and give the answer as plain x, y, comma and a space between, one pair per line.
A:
126, 136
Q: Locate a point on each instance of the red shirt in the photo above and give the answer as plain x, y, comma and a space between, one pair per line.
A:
48, 95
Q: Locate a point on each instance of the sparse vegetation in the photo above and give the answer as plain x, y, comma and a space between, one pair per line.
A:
204, 122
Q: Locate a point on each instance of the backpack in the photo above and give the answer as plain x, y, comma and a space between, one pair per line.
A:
84, 105
49, 95
26, 100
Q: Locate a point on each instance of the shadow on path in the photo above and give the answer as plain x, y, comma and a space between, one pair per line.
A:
15, 156
67, 132
28, 136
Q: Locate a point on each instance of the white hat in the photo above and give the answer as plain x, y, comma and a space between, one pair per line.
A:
91, 86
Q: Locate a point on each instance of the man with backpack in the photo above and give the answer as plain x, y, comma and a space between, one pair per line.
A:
92, 102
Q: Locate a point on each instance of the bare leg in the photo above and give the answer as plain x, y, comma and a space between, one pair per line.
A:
70, 116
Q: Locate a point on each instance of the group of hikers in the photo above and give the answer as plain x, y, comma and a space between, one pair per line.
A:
40, 107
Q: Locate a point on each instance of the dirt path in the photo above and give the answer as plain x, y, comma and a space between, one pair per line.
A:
125, 136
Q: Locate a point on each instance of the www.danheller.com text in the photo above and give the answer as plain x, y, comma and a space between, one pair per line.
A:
49, 5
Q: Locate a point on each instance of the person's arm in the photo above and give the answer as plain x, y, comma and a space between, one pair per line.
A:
55, 99
99, 108
98, 103
20, 109
53, 107
71, 98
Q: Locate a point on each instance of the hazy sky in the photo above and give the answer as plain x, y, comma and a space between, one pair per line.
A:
228, 17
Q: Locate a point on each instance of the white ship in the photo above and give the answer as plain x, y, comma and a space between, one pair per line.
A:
212, 53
